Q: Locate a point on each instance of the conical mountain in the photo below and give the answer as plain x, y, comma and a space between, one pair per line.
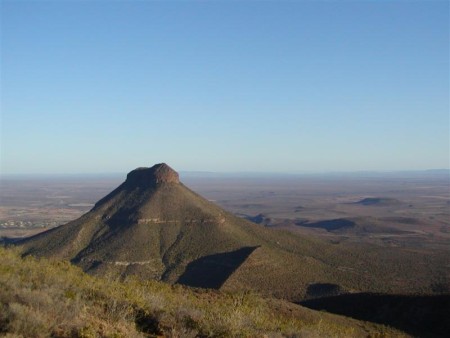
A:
151, 225
154, 227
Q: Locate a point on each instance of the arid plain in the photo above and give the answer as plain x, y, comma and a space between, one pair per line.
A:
405, 210
397, 210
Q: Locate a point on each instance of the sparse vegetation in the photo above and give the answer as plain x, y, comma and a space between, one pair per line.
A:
42, 298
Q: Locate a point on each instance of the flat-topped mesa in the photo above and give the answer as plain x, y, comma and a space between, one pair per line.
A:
159, 173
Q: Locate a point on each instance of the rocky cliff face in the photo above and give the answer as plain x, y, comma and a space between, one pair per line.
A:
159, 173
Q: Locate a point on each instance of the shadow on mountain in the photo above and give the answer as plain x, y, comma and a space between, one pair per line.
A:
10, 240
329, 225
423, 316
323, 290
212, 271
259, 219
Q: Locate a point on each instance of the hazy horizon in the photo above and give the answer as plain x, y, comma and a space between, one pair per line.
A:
224, 86
439, 172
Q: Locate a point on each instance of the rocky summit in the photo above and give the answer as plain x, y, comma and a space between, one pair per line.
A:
146, 177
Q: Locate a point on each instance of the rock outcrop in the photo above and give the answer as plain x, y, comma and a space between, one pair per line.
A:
159, 173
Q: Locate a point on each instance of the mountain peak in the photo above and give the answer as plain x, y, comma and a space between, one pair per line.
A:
159, 173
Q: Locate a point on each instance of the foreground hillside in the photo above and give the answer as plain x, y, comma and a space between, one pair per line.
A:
42, 298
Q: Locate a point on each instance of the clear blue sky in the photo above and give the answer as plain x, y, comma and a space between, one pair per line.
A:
107, 86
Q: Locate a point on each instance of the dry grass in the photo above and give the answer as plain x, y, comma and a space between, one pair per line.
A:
43, 298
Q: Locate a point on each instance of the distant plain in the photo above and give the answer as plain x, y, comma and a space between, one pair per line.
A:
397, 211
410, 211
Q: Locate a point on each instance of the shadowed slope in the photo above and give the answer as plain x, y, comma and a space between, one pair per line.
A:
212, 271
422, 316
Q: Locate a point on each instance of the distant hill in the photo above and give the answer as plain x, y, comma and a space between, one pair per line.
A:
329, 225
154, 227
378, 201
360, 225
